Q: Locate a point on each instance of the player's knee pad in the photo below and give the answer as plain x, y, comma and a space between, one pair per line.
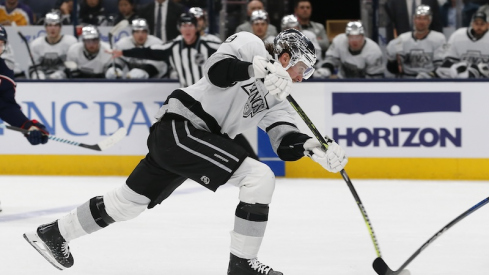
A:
123, 203
256, 182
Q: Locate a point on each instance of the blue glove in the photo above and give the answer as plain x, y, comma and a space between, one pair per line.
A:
37, 132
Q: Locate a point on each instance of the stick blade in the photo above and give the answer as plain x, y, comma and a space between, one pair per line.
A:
119, 27
113, 139
381, 267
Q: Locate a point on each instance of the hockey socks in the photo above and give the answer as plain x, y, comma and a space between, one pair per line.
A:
249, 228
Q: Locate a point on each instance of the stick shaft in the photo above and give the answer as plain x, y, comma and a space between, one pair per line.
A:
29, 52
445, 228
324, 143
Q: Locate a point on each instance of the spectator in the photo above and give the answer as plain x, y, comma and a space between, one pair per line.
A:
353, 54
66, 10
448, 13
126, 11
202, 24
259, 25
138, 68
92, 12
252, 6
49, 52
467, 51
162, 17
90, 55
13, 11
303, 11
399, 16
290, 22
417, 51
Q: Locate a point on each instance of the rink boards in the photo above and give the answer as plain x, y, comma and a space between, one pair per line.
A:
411, 130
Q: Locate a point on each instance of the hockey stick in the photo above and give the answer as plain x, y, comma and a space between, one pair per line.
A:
29, 51
116, 29
324, 142
381, 267
101, 146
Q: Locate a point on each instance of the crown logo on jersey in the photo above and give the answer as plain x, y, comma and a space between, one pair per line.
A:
256, 102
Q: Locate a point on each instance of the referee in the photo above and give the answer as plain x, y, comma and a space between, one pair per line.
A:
186, 54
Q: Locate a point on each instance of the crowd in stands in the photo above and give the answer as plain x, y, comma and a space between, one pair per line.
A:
416, 47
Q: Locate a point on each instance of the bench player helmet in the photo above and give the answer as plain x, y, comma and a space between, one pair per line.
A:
423, 10
197, 12
259, 15
354, 28
139, 24
289, 21
52, 18
299, 47
90, 32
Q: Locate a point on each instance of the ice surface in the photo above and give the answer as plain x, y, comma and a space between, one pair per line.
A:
314, 228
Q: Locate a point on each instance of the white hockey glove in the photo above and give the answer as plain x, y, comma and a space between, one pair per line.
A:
137, 74
483, 69
333, 160
42, 76
321, 73
57, 75
260, 66
278, 81
112, 73
459, 70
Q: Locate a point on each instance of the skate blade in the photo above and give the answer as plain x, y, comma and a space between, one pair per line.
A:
34, 240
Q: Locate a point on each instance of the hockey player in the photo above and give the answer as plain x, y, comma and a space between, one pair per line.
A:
9, 109
90, 55
188, 70
138, 68
49, 52
418, 51
241, 89
290, 21
202, 24
467, 52
259, 25
353, 55
186, 54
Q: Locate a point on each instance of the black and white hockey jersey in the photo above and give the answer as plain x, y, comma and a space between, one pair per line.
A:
155, 69
366, 63
90, 66
416, 55
232, 110
50, 57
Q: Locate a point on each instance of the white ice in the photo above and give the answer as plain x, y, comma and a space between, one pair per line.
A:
315, 228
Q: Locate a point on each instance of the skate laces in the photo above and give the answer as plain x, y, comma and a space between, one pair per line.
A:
256, 265
65, 249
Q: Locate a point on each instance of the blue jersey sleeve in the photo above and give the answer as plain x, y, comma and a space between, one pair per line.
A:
9, 109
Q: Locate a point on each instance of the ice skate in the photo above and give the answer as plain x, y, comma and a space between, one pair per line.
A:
240, 266
53, 247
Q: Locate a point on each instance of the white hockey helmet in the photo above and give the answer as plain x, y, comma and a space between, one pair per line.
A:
299, 47
258, 15
354, 28
52, 18
197, 12
90, 32
139, 24
423, 10
289, 21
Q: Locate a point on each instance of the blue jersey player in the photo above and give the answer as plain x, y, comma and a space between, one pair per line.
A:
9, 109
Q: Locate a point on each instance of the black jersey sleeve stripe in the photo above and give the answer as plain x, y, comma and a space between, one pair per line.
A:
279, 123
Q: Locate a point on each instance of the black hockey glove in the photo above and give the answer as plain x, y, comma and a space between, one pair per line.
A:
37, 132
